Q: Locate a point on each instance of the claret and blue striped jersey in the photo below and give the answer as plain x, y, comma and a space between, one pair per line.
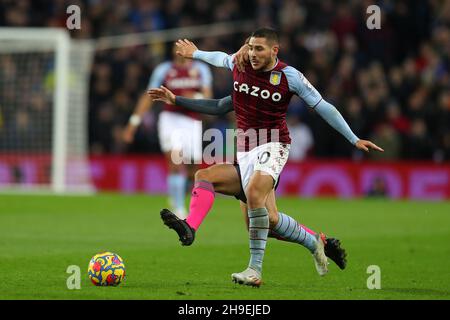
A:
261, 99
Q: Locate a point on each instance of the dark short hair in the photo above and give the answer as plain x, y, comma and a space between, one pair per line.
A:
268, 33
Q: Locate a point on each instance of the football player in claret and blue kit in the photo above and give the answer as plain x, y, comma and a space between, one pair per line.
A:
261, 95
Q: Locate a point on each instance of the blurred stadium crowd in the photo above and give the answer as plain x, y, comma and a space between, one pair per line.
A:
392, 85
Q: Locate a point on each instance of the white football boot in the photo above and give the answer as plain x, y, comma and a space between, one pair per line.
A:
249, 277
320, 259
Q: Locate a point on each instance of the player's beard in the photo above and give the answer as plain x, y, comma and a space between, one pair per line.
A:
262, 64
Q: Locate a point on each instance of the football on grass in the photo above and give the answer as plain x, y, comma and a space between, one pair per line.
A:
106, 269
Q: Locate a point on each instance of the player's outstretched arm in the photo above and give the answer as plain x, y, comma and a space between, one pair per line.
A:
189, 50
206, 106
303, 88
334, 118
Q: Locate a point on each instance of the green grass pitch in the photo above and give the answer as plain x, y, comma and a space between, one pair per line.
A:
40, 236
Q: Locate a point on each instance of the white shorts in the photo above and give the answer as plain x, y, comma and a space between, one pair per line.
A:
269, 158
180, 133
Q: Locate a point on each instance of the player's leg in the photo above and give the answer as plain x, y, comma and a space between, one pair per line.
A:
284, 227
288, 229
222, 178
168, 125
333, 249
259, 186
244, 211
176, 185
271, 207
277, 220
259, 170
265, 164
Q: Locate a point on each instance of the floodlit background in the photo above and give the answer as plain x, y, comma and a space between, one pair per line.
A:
390, 84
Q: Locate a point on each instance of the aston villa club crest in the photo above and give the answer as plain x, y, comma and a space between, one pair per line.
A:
275, 78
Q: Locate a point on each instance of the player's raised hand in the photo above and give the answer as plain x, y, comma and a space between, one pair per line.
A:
241, 58
162, 94
365, 145
185, 48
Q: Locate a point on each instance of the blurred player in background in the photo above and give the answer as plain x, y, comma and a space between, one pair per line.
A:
260, 99
179, 130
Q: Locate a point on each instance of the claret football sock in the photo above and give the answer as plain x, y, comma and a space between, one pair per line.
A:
202, 200
258, 231
290, 230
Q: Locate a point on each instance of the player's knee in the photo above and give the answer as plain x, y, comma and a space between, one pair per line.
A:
202, 174
255, 198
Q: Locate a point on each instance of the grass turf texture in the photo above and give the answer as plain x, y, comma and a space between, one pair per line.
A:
40, 236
